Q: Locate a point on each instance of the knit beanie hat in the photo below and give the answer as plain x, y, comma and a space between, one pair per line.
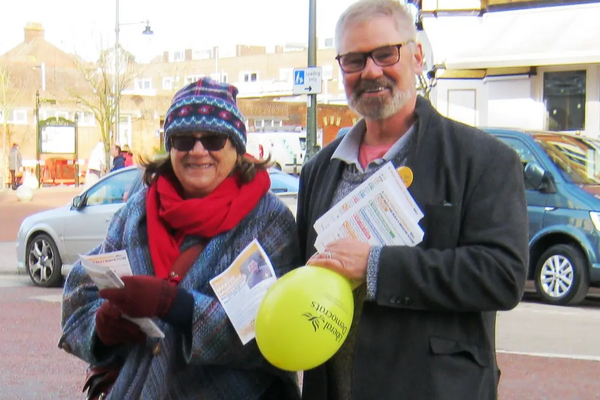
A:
206, 105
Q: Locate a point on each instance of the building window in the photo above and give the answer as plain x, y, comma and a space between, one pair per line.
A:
220, 77
178, 56
286, 74
192, 78
564, 97
169, 82
143, 84
249, 76
202, 54
17, 117
327, 72
85, 119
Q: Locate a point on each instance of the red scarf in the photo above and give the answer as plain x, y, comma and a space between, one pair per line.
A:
172, 218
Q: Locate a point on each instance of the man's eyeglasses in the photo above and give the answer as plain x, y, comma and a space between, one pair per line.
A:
382, 56
212, 142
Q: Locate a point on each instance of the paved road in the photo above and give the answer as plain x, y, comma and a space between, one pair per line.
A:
33, 368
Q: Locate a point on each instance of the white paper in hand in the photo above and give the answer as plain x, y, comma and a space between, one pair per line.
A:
106, 271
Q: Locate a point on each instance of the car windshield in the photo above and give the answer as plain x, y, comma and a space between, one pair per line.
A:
577, 157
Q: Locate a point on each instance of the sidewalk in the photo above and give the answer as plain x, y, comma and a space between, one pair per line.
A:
13, 212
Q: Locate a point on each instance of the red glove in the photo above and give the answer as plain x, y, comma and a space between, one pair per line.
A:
142, 296
113, 330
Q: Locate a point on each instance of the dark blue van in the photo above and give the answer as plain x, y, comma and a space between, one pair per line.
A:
562, 182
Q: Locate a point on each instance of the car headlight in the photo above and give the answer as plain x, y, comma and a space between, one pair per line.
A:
595, 216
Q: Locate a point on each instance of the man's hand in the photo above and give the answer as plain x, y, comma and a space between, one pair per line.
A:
142, 296
347, 257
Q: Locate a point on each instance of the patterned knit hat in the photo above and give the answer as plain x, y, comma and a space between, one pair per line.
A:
206, 105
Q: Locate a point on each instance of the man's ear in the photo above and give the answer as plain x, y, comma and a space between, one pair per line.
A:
418, 58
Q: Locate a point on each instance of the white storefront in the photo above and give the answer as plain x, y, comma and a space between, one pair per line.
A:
533, 69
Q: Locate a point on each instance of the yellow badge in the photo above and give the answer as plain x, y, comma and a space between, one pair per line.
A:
406, 175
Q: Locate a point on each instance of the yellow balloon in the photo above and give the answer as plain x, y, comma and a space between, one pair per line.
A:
304, 318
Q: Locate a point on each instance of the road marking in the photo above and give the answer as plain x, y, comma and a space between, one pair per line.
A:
534, 308
552, 355
8, 281
51, 298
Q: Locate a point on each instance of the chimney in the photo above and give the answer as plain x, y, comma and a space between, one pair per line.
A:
33, 30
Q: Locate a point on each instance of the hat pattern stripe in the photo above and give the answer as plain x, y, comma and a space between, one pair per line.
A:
201, 100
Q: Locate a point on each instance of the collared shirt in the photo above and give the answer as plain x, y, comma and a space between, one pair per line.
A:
347, 151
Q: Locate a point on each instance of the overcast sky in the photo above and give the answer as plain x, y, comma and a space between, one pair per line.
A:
84, 26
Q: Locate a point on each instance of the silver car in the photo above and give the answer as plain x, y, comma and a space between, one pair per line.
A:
50, 242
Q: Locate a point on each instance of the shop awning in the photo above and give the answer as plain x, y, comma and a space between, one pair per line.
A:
532, 37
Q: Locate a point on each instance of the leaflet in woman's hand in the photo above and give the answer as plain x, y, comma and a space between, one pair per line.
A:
106, 270
242, 287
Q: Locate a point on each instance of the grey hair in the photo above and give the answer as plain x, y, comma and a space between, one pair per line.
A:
364, 10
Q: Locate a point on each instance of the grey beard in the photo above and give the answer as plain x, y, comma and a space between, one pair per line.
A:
379, 109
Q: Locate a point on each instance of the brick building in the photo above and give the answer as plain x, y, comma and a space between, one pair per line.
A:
264, 77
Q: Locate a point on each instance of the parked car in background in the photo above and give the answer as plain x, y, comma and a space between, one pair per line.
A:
50, 242
562, 182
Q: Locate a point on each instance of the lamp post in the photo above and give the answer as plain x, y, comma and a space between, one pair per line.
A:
38, 141
117, 91
311, 113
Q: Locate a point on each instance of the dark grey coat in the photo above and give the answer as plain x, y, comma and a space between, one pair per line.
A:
430, 334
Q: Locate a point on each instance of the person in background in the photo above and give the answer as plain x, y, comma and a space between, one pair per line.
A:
425, 316
126, 151
118, 158
15, 164
96, 164
203, 204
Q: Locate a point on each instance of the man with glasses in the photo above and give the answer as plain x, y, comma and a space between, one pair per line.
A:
425, 316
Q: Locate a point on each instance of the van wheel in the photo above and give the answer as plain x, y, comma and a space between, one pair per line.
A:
43, 261
561, 275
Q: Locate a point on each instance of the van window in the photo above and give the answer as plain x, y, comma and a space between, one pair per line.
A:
577, 157
303, 144
524, 152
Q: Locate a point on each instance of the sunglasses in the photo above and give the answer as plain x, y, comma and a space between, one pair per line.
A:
214, 142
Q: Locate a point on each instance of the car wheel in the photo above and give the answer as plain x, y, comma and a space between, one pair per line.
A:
43, 261
561, 275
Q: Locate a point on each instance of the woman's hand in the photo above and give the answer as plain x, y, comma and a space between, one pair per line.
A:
112, 329
142, 296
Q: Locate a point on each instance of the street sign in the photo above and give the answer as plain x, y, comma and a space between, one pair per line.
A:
307, 80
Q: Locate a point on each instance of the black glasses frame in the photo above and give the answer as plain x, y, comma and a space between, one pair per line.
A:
211, 142
369, 54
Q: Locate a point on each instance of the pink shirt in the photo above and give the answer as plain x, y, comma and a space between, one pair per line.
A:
366, 153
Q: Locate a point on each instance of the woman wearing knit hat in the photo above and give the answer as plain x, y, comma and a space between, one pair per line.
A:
204, 203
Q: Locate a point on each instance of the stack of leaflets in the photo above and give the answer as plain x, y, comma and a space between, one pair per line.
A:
381, 211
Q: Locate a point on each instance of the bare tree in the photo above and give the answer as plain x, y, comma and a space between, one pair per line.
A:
99, 94
11, 91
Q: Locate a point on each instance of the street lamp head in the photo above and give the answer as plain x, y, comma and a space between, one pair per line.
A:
147, 30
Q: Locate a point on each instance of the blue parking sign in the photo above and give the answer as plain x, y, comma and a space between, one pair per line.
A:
299, 77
